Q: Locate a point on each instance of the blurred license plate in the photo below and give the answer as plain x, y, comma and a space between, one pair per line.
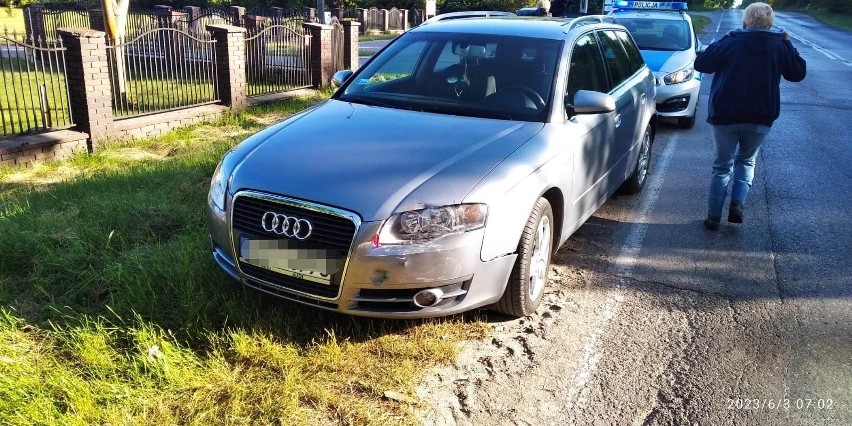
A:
315, 265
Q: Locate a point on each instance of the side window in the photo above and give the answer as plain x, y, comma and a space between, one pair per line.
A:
399, 66
633, 54
447, 58
615, 56
587, 70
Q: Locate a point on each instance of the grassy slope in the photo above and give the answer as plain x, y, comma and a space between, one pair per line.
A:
113, 312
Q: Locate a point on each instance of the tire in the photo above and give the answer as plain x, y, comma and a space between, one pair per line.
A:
686, 122
636, 181
526, 284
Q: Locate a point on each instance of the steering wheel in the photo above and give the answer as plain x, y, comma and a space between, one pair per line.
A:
529, 93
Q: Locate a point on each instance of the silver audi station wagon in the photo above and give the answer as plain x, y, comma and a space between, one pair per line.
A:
442, 175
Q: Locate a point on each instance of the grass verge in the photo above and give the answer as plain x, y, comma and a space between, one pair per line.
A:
835, 19
11, 20
113, 312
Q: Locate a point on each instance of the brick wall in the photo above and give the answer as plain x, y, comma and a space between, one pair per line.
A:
25, 150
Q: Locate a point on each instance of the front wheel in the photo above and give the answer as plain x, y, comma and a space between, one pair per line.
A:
636, 181
526, 284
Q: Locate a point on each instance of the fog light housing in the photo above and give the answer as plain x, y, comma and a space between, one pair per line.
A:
428, 298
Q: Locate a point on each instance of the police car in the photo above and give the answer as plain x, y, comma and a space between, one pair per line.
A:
668, 43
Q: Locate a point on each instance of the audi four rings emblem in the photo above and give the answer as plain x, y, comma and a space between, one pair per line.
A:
288, 226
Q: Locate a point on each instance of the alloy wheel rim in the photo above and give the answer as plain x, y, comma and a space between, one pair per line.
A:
539, 258
643, 159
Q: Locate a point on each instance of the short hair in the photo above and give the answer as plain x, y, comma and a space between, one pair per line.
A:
543, 4
758, 16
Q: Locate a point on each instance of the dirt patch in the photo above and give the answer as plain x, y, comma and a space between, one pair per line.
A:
523, 373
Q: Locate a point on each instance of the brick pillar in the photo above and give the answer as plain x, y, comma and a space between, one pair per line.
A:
350, 44
310, 14
385, 22
89, 90
277, 15
34, 21
192, 13
96, 20
254, 22
238, 13
230, 64
322, 64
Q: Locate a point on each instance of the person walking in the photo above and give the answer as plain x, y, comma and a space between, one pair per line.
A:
745, 100
559, 8
543, 7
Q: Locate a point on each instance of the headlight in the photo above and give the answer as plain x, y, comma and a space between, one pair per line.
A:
218, 187
432, 223
680, 76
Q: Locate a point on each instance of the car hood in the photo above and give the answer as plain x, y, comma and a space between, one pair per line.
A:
662, 62
375, 161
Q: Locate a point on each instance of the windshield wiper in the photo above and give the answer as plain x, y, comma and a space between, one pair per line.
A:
366, 101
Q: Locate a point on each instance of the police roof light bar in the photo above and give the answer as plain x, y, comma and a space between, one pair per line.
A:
649, 5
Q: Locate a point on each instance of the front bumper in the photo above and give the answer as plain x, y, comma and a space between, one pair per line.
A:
382, 281
677, 100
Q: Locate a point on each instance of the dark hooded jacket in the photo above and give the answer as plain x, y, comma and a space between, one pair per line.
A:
748, 66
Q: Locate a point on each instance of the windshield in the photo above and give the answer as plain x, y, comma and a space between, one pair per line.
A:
461, 74
658, 34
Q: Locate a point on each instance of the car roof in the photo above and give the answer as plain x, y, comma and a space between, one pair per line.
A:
539, 27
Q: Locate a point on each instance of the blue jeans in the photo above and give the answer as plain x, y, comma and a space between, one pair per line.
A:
737, 146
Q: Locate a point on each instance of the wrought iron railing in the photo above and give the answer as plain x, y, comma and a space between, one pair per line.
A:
337, 45
396, 19
277, 60
372, 20
34, 81
208, 16
64, 16
161, 70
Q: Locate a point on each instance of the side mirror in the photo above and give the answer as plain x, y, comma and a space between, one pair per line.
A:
589, 102
340, 77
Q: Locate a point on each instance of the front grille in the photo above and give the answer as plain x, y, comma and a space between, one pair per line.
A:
331, 233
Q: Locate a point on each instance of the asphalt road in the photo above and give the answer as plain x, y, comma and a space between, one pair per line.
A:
651, 319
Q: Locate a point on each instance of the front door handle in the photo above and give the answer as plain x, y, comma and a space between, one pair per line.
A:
617, 120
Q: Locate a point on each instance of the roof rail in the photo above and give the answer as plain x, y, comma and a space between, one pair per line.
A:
467, 14
587, 20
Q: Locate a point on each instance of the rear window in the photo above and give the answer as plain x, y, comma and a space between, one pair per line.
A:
658, 34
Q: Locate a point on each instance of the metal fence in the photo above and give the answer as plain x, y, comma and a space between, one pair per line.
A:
208, 16
396, 19
140, 21
34, 93
161, 70
277, 59
62, 16
372, 20
337, 35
